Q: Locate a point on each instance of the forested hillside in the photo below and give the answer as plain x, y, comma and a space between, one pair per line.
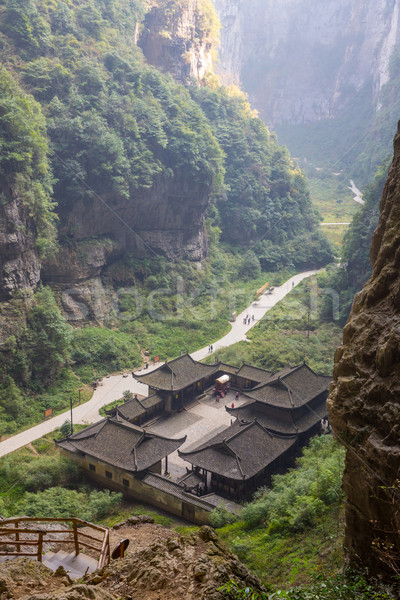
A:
266, 203
114, 176
121, 132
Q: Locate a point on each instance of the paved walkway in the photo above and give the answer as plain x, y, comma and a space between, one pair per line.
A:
112, 387
330, 224
259, 309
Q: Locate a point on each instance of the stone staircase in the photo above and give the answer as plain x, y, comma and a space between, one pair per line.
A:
33, 537
75, 565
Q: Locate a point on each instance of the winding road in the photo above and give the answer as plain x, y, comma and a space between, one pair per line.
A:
112, 387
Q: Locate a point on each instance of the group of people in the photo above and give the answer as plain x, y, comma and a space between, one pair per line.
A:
211, 348
247, 320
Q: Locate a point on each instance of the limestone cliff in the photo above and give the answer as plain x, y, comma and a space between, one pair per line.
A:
178, 38
302, 60
364, 402
167, 220
19, 260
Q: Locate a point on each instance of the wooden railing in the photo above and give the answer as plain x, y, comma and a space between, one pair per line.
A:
11, 532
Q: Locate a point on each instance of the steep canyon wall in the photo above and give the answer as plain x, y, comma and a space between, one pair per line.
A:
303, 61
364, 405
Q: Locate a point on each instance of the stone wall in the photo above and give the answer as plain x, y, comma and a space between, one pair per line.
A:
173, 501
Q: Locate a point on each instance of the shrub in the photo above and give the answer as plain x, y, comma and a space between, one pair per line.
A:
298, 497
220, 516
63, 503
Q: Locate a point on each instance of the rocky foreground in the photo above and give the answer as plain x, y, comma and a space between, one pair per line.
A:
160, 564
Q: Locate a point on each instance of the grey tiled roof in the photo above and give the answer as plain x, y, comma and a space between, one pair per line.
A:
292, 387
121, 444
275, 394
190, 480
151, 401
239, 452
288, 424
227, 368
254, 373
177, 374
135, 407
132, 409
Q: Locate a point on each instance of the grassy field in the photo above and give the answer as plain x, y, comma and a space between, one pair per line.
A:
335, 234
334, 200
292, 559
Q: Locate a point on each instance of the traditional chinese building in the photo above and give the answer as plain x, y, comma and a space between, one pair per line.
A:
291, 402
179, 380
138, 410
241, 459
279, 414
114, 450
276, 420
118, 455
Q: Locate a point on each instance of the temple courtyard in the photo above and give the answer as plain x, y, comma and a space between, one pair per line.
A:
200, 421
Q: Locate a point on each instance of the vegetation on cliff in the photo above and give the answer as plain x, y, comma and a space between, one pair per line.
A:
115, 125
84, 119
24, 159
169, 13
265, 205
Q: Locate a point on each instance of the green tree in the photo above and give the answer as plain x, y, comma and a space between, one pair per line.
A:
355, 266
23, 23
24, 157
49, 338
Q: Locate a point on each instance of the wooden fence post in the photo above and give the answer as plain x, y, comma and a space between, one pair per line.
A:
76, 542
40, 547
16, 524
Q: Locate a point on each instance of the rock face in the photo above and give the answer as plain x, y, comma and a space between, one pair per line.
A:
364, 403
19, 261
180, 48
166, 221
302, 60
191, 567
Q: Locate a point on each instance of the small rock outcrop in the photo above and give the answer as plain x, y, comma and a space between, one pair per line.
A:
364, 403
188, 566
19, 260
159, 564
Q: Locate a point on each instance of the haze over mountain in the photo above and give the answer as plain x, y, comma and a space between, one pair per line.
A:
324, 75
